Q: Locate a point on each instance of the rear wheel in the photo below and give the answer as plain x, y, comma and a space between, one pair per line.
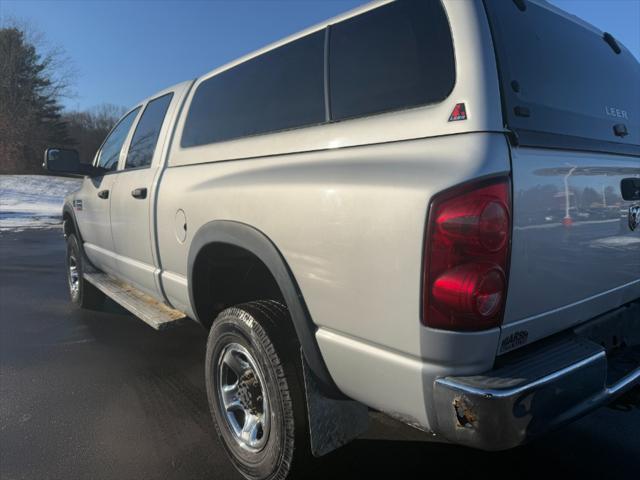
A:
255, 389
82, 293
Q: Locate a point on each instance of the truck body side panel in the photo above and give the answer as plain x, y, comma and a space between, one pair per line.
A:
350, 224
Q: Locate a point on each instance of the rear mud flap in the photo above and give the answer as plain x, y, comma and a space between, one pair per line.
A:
332, 423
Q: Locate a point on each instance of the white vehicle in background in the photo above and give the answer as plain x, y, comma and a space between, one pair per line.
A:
406, 208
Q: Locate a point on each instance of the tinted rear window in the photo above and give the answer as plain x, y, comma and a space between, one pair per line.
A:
393, 57
279, 90
561, 72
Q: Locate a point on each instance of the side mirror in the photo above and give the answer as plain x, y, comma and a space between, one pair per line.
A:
66, 162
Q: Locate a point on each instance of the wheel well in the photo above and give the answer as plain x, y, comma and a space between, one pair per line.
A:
225, 275
231, 262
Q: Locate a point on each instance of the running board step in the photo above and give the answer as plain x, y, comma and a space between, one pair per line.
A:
148, 309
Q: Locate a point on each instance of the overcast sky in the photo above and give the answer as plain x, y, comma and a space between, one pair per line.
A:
123, 51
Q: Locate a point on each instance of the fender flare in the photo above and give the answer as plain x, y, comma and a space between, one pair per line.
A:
68, 209
253, 240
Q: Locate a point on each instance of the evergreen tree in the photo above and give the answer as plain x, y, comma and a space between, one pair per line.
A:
30, 112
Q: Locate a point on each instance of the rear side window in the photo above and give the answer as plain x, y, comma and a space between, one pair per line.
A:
279, 90
393, 57
110, 151
145, 138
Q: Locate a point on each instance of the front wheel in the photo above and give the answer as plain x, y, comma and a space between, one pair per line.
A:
82, 293
255, 389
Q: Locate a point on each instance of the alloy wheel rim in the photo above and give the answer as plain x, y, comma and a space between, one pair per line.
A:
74, 276
242, 394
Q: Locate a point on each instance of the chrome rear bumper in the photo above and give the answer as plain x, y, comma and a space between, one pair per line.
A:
540, 388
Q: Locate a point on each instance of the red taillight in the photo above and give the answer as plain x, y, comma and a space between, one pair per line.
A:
466, 258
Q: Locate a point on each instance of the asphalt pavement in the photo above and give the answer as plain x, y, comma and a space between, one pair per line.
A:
100, 395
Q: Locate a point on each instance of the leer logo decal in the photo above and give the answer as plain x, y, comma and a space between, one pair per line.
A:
616, 112
459, 113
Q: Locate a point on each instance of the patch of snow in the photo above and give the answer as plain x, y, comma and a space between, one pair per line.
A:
33, 201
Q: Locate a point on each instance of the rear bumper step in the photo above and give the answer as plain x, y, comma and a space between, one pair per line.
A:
541, 388
149, 310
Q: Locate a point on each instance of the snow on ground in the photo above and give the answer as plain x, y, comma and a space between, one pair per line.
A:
33, 201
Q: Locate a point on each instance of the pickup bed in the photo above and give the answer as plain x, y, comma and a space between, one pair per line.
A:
430, 209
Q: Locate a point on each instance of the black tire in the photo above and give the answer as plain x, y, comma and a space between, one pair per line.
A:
264, 330
85, 295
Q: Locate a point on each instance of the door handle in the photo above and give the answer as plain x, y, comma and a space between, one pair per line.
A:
139, 193
103, 193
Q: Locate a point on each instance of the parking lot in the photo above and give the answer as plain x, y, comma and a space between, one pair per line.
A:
100, 395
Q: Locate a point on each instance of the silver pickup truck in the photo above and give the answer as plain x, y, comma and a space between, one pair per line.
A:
425, 208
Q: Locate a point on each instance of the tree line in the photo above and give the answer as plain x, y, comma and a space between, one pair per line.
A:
32, 86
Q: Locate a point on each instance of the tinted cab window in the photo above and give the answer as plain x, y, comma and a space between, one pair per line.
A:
393, 57
110, 151
278, 90
145, 138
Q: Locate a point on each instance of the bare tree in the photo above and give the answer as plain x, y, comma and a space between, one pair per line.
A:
89, 128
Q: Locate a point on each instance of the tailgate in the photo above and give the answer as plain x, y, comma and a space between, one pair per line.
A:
574, 254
